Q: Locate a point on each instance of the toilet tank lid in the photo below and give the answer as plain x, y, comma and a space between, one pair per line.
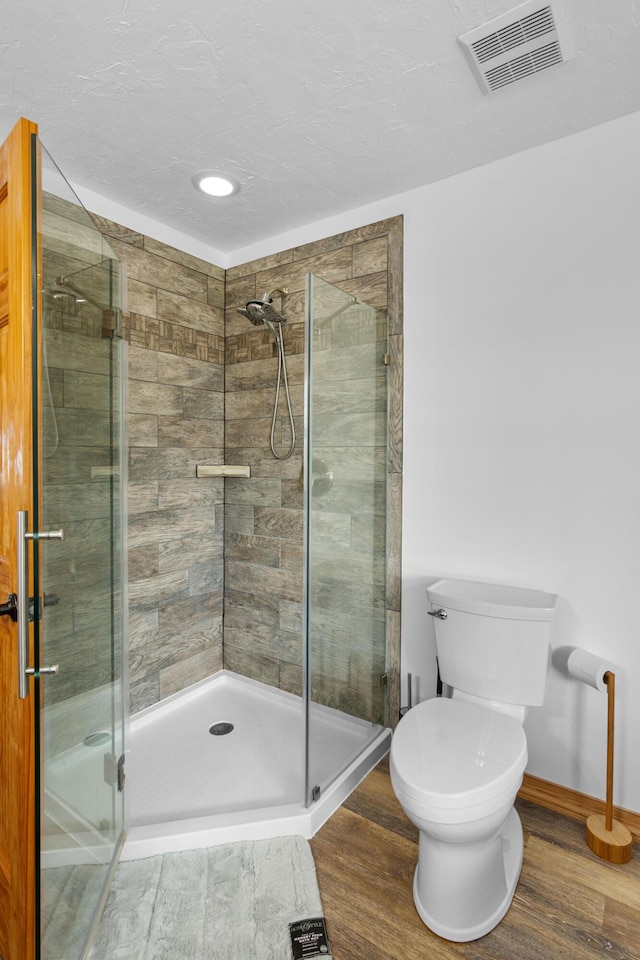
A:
493, 600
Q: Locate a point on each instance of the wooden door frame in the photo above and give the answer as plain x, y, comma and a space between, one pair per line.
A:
18, 309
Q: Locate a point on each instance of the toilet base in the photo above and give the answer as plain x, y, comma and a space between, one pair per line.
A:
468, 887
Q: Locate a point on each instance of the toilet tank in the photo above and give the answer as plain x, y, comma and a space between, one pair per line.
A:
494, 641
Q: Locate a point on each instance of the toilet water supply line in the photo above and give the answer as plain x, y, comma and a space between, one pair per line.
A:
406, 709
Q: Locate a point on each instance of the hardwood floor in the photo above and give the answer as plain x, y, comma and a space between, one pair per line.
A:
569, 905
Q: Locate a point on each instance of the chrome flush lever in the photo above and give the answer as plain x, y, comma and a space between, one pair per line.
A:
440, 614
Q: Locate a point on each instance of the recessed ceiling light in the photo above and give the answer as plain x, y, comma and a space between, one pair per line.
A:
215, 184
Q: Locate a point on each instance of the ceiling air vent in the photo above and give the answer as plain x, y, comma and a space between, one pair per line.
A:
517, 44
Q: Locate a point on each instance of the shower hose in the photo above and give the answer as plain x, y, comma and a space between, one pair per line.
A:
282, 378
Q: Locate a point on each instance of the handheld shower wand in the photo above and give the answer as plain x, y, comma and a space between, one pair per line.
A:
262, 311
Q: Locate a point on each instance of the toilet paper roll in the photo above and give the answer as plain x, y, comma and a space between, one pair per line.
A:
588, 668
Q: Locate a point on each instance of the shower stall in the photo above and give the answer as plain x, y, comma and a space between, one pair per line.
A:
294, 711
233, 757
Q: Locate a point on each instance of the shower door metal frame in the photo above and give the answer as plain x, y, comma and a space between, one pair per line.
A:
307, 789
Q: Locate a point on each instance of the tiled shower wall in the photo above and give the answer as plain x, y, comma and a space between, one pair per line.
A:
175, 325
263, 515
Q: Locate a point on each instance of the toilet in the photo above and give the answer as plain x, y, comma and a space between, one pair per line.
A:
457, 762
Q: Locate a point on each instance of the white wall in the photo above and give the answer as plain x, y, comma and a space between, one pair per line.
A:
522, 419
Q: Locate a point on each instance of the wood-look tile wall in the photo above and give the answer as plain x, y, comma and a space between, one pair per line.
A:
196, 396
175, 328
263, 515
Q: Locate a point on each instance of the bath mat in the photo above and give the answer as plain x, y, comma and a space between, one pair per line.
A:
236, 901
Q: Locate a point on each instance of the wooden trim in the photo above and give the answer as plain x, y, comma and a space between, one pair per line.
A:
17, 716
560, 799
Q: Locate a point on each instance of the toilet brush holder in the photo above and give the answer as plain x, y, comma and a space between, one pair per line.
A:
608, 838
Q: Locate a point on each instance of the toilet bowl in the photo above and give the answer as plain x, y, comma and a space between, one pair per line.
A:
457, 764
456, 768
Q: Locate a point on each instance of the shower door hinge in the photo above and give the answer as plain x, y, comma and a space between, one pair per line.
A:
110, 323
35, 605
386, 359
384, 679
114, 771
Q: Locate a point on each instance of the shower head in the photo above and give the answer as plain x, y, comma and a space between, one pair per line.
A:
254, 311
261, 311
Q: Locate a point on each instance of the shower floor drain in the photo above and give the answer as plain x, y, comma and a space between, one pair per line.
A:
94, 739
219, 729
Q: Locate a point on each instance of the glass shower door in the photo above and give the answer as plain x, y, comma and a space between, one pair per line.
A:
345, 467
80, 627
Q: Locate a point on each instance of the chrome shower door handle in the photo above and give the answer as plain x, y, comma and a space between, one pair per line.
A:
24, 670
440, 614
23, 605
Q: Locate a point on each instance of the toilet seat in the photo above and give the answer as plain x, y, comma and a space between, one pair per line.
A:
449, 756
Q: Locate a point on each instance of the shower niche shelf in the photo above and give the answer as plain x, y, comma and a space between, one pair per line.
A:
223, 470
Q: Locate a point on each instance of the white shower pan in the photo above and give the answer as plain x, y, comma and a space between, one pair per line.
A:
188, 788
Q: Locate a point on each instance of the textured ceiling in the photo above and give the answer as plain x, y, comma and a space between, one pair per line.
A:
315, 107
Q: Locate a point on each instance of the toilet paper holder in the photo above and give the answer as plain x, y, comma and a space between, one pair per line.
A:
608, 838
